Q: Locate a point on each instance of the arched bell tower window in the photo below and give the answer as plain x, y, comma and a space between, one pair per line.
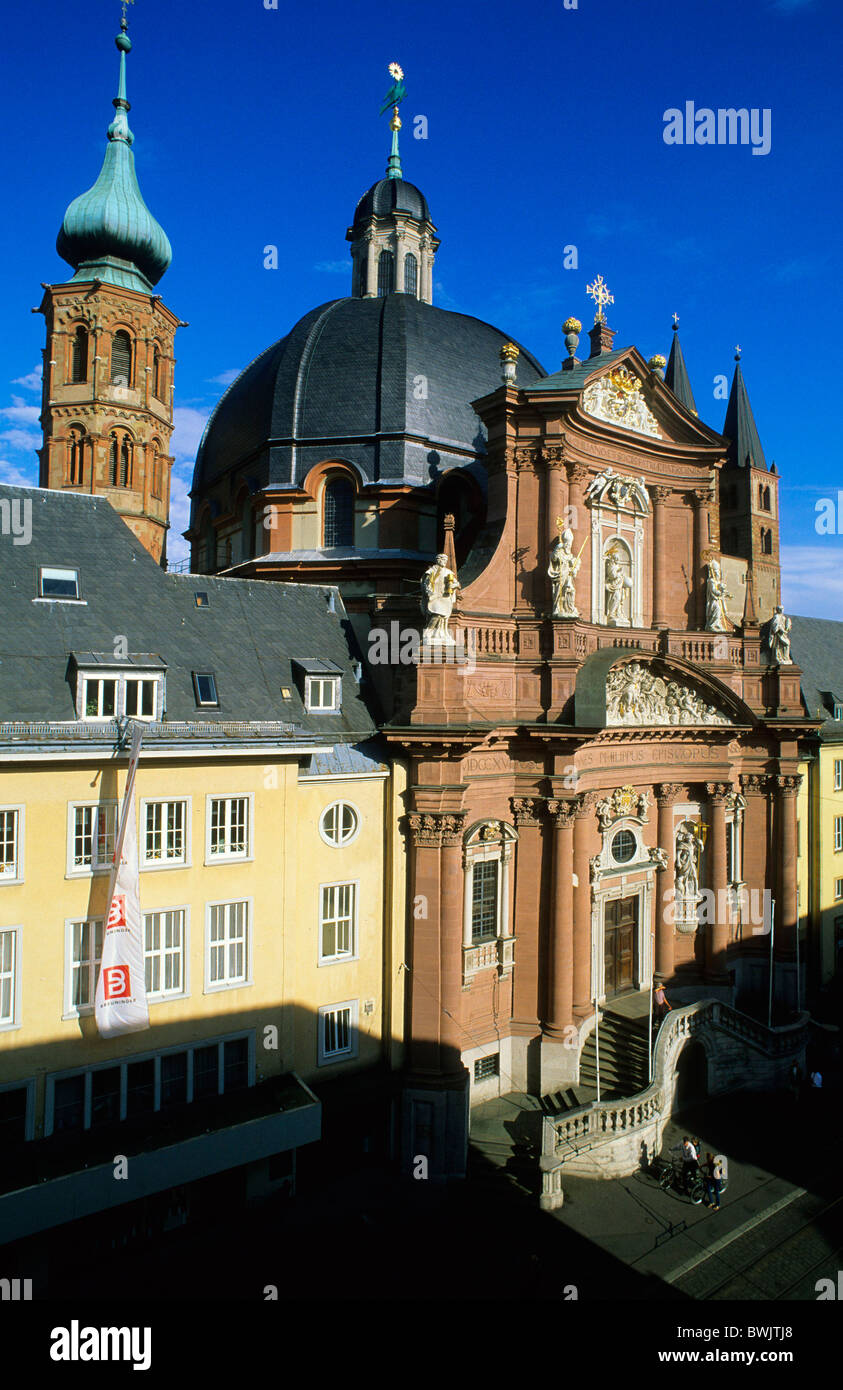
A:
157, 374
79, 355
362, 276
157, 468
121, 359
386, 273
120, 458
75, 456
411, 274
338, 513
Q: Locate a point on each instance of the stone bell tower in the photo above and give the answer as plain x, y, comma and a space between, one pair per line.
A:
107, 405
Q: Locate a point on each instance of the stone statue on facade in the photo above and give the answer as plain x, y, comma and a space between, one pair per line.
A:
440, 587
778, 638
563, 569
617, 583
687, 867
716, 594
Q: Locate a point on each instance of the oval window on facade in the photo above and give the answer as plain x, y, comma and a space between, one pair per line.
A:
339, 824
623, 847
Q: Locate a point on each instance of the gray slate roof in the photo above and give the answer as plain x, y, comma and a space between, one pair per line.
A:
816, 645
676, 376
744, 444
344, 384
250, 634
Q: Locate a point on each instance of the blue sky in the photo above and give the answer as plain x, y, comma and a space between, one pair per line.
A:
257, 126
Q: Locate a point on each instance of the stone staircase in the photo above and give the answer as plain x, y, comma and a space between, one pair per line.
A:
624, 1058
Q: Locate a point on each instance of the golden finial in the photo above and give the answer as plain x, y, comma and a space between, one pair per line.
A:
599, 292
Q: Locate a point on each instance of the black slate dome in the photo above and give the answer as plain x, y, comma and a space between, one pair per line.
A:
392, 195
383, 383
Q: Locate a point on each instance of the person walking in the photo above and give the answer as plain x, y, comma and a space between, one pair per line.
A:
690, 1161
662, 1006
718, 1174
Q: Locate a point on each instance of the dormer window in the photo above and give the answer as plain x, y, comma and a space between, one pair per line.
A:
320, 685
130, 688
322, 693
58, 583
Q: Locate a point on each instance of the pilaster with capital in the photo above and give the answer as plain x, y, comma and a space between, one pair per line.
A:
560, 952
527, 813
701, 499
787, 788
583, 828
435, 981
717, 932
660, 551
578, 476
667, 794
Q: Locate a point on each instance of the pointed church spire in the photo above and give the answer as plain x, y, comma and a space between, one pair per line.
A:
676, 373
109, 233
744, 445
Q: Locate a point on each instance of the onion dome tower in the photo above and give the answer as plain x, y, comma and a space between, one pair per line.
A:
107, 407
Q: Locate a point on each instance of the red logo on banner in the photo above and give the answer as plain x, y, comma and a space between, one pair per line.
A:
116, 982
117, 912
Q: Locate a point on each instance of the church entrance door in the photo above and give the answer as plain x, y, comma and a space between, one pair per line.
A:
620, 936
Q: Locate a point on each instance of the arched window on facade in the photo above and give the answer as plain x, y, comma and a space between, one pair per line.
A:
386, 272
157, 374
338, 513
362, 275
75, 455
79, 355
247, 530
120, 458
411, 274
766, 502
766, 541
487, 930
207, 548
121, 359
157, 468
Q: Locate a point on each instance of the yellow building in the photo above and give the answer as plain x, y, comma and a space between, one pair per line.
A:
271, 888
818, 648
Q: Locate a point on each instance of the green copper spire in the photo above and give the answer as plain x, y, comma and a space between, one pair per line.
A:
394, 96
109, 233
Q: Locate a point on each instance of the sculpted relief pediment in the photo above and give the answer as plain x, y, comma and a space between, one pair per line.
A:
617, 399
637, 696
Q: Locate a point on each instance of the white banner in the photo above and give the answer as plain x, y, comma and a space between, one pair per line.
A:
121, 988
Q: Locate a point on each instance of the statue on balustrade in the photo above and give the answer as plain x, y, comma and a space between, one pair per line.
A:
440, 587
716, 594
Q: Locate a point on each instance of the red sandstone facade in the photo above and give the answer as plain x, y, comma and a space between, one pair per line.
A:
525, 764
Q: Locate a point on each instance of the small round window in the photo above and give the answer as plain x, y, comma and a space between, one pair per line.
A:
623, 847
339, 824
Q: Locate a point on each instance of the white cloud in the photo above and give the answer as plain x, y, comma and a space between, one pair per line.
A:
225, 378
812, 579
21, 439
188, 426
180, 479
10, 473
333, 267
20, 413
32, 380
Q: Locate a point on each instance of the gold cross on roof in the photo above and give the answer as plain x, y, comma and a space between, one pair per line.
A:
124, 3
599, 292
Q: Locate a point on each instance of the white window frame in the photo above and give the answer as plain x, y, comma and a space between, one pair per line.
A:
336, 684
72, 1010
338, 807
183, 992
121, 678
205, 704
20, 827
353, 954
238, 857
27, 1085
477, 850
838, 834
53, 571
7, 1025
87, 870
216, 986
838, 890
148, 865
125, 1062
327, 1059
838, 774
